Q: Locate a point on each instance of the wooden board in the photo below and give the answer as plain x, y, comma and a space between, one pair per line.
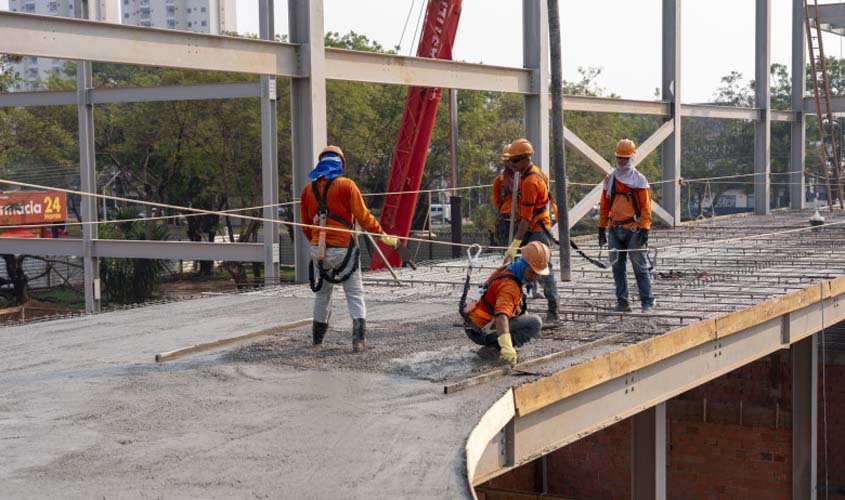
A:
541, 393
167, 356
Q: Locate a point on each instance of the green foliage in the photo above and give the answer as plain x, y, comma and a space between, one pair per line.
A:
129, 281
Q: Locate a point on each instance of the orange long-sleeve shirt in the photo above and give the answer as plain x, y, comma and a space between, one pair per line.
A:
504, 296
534, 196
621, 208
501, 201
344, 200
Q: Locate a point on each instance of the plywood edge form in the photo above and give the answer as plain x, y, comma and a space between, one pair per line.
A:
490, 424
167, 356
536, 395
754, 315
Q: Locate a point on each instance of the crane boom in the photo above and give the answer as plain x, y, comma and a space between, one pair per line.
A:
421, 103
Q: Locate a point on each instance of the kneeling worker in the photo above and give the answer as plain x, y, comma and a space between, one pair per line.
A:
502, 302
332, 201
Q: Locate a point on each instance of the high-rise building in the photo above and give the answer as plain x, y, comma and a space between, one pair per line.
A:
205, 16
35, 70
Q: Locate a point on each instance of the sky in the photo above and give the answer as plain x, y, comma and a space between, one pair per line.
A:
622, 37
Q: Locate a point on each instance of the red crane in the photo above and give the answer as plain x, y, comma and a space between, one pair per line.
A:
421, 103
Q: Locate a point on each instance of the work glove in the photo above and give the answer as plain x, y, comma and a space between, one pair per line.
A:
644, 236
506, 351
391, 241
510, 253
602, 236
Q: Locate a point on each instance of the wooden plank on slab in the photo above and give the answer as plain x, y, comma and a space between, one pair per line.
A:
168, 356
541, 393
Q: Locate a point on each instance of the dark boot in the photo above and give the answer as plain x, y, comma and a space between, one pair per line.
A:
359, 331
551, 314
318, 331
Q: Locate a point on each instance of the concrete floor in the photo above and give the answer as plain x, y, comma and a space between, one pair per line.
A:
86, 413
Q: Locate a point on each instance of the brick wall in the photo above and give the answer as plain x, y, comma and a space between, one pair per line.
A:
835, 393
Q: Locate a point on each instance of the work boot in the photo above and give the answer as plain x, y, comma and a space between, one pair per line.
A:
318, 331
622, 307
551, 314
359, 331
648, 307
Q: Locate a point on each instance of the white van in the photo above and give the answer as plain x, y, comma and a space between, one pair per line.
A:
441, 213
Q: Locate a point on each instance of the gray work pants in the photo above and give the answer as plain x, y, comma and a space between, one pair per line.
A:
353, 287
522, 329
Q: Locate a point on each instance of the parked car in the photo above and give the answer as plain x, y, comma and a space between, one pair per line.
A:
441, 213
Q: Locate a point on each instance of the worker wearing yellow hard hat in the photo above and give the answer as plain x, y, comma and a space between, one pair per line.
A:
501, 301
625, 213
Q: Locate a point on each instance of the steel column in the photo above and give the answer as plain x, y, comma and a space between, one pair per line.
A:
671, 91
799, 83
308, 107
535, 56
88, 176
804, 417
269, 154
648, 454
762, 101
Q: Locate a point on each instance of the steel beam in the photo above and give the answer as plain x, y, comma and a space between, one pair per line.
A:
179, 250
535, 57
671, 91
648, 454
45, 98
269, 154
804, 418
585, 204
720, 112
393, 69
831, 16
66, 38
241, 90
582, 413
762, 101
798, 130
611, 105
88, 176
135, 249
598, 162
308, 108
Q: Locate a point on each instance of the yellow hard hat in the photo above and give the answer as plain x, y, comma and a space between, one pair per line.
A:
335, 150
506, 152
625, 148
521, 147
537, 256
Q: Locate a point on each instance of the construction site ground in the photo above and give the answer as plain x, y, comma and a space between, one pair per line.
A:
86, 412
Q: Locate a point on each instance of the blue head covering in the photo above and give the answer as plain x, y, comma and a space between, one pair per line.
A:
517, 267
329, 166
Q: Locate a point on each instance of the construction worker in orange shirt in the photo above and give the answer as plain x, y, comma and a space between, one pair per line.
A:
625, 209
534, 217
501, 301
503, 199
333, 201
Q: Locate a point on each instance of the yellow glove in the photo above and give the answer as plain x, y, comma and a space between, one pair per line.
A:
506, 351
391, 241
510, 253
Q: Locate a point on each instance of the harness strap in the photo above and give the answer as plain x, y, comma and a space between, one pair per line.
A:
322, 206
632, 198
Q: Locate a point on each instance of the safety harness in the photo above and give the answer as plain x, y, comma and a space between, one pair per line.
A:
334, 275
479, 295
632, 199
